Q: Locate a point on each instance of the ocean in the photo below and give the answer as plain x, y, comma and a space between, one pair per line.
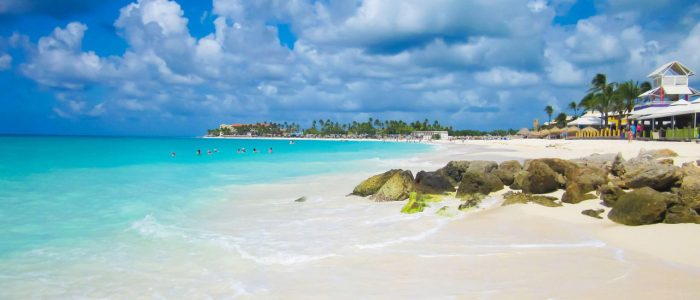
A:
97, 203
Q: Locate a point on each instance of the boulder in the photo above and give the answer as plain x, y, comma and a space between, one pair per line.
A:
617, 168
397, 188
474, 182
506, 171
301, 199
689, 193
654, 154
601, 161
414, 205
609, 193
371, 185
454, 170
639, 207
587, 178
681, 214
647, 173
595, 213
557, 165
575, 194
482, 166
471, 202
540, 179
518, 180
433, 183
521, 198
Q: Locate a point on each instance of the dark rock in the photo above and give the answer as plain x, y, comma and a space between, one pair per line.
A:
593, 213
639, 207
506, 171
454, 170
301, 199
617, 167
681, 214
609, 193
574, 194
558, 165
433, 183
371, 185
540, 179
521, 198
474, 182
397, 188
472, 202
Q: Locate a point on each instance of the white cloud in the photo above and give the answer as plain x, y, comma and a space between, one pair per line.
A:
5, 62
500, 76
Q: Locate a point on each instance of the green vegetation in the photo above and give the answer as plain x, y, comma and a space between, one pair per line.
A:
416, 203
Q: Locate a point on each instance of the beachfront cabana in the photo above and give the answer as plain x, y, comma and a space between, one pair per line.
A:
586, 120
678, 120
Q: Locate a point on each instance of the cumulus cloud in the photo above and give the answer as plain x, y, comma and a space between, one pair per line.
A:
5, 61
352, 60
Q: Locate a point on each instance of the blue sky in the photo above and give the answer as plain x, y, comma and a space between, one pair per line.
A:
160, 67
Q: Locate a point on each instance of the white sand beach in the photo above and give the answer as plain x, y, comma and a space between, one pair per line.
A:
338, 246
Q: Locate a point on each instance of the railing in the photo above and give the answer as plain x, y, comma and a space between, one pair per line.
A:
674, 80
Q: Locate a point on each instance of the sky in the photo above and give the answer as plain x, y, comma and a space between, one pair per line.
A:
176, 68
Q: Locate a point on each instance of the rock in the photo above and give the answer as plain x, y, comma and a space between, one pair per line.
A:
665, 161
518, 180
601, 161
557, 165
446, 211
574, 194
482, 166
609, 193
471, 202
433, 183
658, 153
414, 205
617, 167
593, 213
587, 178
689, 193
397, 188
474, 182
639, 207
454, 170
301, 199
540, 179
646, 173
514, 198
506, 171
681, 214
371, 185
690, 169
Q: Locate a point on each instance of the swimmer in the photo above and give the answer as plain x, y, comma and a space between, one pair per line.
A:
208, 152
291, 142
199, 152
255, 150
216, 150
173, 154
269, 150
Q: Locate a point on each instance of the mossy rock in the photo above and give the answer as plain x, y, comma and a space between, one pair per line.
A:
689, 192
639, 207
540, 179
415, 204
506, 171
454, 170
573, 194
587, 178
434, 198
474, 182
471, 201
397, 188
446, 211
371, 185
595, 213
677, 214
522, 198
433, 183
482, 166
609, 193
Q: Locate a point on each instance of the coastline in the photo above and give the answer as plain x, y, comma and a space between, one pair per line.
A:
605, 252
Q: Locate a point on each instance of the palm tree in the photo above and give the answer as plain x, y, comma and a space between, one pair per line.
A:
573, 106
549, 110
561, 119
603, 93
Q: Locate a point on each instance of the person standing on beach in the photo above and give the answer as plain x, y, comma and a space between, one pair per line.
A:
629, 135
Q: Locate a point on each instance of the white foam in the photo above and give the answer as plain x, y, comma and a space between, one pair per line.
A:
404, 239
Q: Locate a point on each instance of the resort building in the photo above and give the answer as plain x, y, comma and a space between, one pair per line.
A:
430, 135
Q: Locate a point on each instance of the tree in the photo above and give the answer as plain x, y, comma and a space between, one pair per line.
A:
602, 93
561, 119
573, 106
549, 110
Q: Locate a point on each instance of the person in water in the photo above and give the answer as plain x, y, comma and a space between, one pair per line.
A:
269, 150
291, 142
255, 150
173, 154
199, 152
216, 150
208, 152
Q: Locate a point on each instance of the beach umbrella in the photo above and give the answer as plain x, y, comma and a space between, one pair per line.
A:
555, 131
573, 129
544, 133
589, 129
524, 131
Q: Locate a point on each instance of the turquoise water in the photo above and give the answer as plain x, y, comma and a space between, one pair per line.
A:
65, 191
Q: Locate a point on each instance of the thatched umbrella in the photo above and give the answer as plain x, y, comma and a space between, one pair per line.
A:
524, 131
555, 131
573, 129
589, 129
543, 133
